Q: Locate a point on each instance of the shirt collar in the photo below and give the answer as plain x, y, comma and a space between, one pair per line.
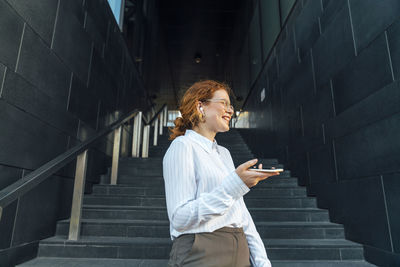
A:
203, 141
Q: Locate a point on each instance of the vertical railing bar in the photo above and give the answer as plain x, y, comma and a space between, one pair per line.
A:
139, 135
115, 157
137, 124
79, 189
166, 116
155, 134
161, 123
146, 135
134, 137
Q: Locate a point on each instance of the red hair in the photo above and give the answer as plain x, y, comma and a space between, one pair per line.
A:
199, 91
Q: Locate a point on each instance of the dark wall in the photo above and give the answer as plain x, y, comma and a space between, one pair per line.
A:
332, 114
65, 73
256, 28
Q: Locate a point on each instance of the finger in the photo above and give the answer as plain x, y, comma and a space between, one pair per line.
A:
249, 163
260, 166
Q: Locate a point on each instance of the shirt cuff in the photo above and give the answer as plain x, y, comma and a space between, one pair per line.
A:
234, 185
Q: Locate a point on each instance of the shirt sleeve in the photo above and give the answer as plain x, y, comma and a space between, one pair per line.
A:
185, 211
258, 254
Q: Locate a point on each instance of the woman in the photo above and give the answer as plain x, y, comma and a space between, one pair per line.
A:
209, 222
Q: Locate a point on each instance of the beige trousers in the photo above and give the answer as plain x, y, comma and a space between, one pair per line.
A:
225, 247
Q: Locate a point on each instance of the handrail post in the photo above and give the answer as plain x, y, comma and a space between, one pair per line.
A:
79, 189
165, 115
137, 127
161, 123
155, 132
146, 137
115, 157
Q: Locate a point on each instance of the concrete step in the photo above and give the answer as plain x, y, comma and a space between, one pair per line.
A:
125, 174
124, 200
255, 192
158, 160
160, 213
160, 228
159, 248
158, 180
287, 202
93, 262
156, 169
102, 262
125, 166
232, 148
238, 146
234, 154
292, 202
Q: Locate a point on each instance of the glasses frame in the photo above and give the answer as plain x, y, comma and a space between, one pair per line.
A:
222, 101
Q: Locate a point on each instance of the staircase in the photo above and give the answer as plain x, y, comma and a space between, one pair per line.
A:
127, 224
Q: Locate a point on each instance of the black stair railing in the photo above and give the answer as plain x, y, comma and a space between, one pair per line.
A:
80, 153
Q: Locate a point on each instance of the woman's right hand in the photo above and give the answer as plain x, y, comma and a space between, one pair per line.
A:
251, 177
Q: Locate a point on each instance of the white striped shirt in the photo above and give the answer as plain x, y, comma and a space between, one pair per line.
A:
204, 193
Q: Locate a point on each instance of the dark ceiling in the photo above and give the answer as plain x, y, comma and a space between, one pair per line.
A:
190, 27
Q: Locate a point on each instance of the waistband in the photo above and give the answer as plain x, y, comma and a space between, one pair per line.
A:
230, 230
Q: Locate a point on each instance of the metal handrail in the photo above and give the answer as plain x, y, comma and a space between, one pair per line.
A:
27, 183
154, 117
160, 116
158, 113
80, 151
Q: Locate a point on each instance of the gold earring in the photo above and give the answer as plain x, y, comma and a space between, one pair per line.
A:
202, 117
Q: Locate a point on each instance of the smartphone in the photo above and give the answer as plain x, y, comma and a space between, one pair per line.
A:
266, 170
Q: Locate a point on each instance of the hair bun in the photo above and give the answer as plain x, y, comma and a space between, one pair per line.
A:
178, 121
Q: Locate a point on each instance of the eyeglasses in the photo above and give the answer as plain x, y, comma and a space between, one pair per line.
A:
222, 101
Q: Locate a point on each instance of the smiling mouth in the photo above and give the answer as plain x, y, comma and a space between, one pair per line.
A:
226, 118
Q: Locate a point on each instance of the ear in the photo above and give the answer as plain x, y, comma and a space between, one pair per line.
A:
199, 107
